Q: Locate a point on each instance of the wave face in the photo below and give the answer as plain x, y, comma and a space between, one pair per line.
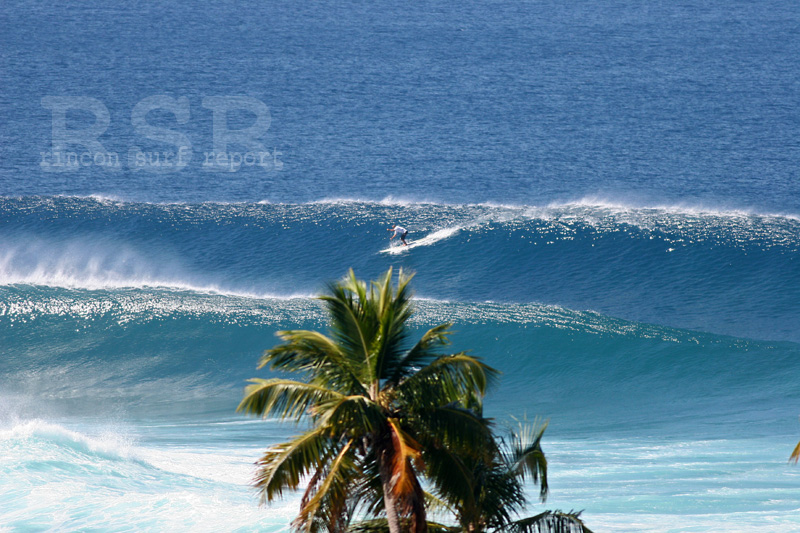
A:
725, 272
152, 352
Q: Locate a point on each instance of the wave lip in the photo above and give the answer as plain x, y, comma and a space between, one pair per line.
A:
169, 286
681, 208
590, 202
90, 284
100, 264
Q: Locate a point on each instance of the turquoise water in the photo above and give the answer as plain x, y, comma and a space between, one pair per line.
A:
609, 192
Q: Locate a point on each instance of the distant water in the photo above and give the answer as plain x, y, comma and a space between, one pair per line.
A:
611, 194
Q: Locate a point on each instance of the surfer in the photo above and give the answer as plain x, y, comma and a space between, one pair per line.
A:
399, 231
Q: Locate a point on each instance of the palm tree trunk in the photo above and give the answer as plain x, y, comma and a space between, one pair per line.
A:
389, 500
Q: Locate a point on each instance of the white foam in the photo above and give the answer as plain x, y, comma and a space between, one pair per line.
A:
386, 201
144, 488
100, 198
109, 444
99, 264
680, 208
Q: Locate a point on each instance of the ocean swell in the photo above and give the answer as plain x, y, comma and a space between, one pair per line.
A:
723, 271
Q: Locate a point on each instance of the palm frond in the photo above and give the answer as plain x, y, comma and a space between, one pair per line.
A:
501, 495
795, 454
385, 299
283, 398
350, 323
455, 428
398, 455
449, 378
324, 506
424, 351
403, 454
318, 356
392, 310
390, 344
369, 491
283, 465
526, 455
438, 506
350, 415
381, 525
452, 478
550, 522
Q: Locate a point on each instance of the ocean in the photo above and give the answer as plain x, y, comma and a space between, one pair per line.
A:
609, 192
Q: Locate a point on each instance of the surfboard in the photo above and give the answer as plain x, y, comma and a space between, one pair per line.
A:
399, 248
432, 238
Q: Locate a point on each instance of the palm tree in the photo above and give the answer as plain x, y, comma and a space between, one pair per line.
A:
499, 492
380, 411
498, 483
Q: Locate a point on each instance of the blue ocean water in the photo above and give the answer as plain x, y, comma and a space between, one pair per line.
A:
608, 190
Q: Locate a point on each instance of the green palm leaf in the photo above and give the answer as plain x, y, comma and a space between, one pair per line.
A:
527, 457
283, 398
325, 503
452, 478
457, 429
450, 378
318, 356
393, 312
550, 522
350, 415
283, 465
423, 352
353, 324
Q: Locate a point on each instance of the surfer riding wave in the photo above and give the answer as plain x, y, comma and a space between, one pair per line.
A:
398, 230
